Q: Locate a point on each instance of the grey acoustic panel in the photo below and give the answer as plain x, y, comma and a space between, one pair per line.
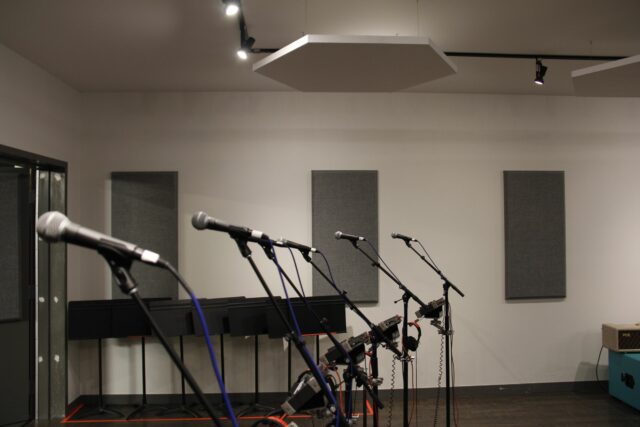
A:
346, 201
144, 210
13, 196
534, 234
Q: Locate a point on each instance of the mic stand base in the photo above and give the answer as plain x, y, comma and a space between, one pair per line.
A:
120, 266
182, 408
101, 409
297, 341
144, 406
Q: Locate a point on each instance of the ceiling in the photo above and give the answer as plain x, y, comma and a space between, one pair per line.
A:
189, 45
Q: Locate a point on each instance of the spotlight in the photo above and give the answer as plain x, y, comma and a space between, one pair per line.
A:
231, 7
245, 48
541, 70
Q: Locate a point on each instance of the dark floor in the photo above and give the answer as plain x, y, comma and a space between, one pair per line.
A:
541, 409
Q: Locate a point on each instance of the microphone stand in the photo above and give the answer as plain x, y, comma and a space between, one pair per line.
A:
406, 297
350, 373
448, 332
379, 336
120, 267
291, 335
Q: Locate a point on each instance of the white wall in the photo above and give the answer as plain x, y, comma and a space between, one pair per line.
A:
41, 114
247, 157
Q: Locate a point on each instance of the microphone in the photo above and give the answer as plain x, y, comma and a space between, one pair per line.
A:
406, 239
202, 221
54, 227
284, 243
340, 235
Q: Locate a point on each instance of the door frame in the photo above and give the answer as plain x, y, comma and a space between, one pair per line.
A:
49, 387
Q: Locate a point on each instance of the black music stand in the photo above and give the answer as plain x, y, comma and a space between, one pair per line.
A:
249, 317
174, 319
129, 321
331, 308
92, 320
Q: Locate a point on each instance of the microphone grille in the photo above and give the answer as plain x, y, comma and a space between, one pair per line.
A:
394, 235
51, 226
199, 220
338, 234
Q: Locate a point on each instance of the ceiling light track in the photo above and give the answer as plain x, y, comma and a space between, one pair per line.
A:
534, 56
246, 41
246, 46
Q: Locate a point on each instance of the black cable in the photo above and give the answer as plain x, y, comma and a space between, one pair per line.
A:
428, 256
328, 266
597, 365
295, 264
382, 261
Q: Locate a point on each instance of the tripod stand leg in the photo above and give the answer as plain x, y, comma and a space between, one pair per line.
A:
182, 408
102, 409
256, 406
144, 406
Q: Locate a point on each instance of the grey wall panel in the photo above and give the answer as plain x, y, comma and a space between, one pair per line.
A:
346, 201
10, 230
144, 210
534, 234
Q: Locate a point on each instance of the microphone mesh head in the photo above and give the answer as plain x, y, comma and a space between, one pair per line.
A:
199, 220
338, 234
394, 235
51, 226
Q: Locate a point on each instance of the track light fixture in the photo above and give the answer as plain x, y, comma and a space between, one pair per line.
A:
245, 48
231, 7
541, 70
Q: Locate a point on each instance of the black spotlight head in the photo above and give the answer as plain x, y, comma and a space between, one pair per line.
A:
245, 48
248, 43
541, 70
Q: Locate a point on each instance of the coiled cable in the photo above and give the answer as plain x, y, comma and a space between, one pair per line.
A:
393, 384
440, 373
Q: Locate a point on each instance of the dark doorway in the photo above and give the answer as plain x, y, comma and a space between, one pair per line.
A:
17, 291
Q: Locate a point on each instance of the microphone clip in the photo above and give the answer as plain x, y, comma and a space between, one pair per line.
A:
119, 265
242, 245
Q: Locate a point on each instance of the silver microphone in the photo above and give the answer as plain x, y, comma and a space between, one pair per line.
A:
55, 226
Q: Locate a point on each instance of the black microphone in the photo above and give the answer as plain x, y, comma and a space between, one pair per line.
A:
202, 221
284, 243
340, 235
54, 226
406, 239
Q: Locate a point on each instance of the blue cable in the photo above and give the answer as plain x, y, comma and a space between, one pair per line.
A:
205, 329
214, 362
295, 264
299, 334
